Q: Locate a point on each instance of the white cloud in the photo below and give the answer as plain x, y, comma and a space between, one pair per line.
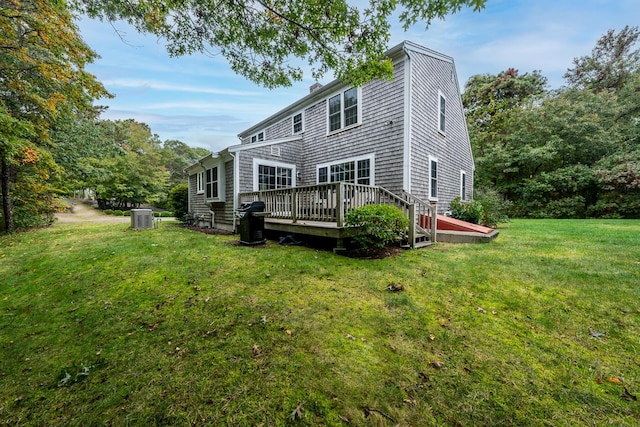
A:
164, 86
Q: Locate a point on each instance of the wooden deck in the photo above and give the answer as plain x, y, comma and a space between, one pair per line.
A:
311, 228
320, 210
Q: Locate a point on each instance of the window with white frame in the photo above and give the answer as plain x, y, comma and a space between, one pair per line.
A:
270, 175
211, 183
200, 182
442, 112
297, 123
258, 137
357, 171
463, 185
343, 110
433, 178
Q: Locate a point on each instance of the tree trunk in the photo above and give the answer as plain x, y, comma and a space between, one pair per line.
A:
7, 203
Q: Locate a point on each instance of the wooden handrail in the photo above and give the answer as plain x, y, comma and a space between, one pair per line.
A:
330, 202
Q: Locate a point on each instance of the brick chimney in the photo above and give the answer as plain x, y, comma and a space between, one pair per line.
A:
314, 87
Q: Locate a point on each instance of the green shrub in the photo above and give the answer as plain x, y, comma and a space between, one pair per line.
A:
178, 201
377, 226
126, 213
166, 214
117, 212
108, 211
494, 207
469, 211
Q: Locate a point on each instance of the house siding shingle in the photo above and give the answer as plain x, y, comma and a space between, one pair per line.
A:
429, 77
380, 133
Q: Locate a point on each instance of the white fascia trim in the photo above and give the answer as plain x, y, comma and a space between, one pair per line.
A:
262, 162
250, 146
410, 46
406, 167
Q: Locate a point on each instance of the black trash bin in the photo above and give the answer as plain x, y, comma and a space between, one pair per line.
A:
252, 223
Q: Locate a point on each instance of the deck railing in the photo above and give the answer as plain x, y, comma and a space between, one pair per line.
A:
330, 203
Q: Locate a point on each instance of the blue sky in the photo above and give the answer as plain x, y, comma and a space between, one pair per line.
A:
198, 99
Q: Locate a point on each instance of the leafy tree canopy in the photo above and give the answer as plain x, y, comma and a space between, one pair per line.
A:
613, 60
568, 153
265, 40
42, 78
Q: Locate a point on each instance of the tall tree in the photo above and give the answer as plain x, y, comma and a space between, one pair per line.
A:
133, 175
492, 103
265, 40
613, 60
42, 60
177, 156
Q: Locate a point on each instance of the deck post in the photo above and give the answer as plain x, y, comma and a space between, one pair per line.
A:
294, 205
340, 205
434, 221
412, 225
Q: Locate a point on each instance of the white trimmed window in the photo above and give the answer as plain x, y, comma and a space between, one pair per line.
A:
463, 185
433, 178
442, 113
298, 125
269, 175
258, 137
211, 182
358, 171
200, 182
343, 110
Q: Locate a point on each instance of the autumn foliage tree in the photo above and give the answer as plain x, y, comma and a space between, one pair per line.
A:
42, 60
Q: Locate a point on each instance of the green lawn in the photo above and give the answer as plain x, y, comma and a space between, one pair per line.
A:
102, 325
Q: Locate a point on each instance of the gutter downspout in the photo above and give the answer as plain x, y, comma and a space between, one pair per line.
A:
407, 124
236, 190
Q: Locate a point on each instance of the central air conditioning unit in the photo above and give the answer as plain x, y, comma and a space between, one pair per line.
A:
141, 218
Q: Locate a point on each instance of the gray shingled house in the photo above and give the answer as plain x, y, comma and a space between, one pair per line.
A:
403, 142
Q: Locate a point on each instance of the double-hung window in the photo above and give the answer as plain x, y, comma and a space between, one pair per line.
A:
343, 110
211, 183
297, 123
442, 113
433, 178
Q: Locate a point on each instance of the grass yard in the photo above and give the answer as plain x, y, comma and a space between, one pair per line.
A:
100, 325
